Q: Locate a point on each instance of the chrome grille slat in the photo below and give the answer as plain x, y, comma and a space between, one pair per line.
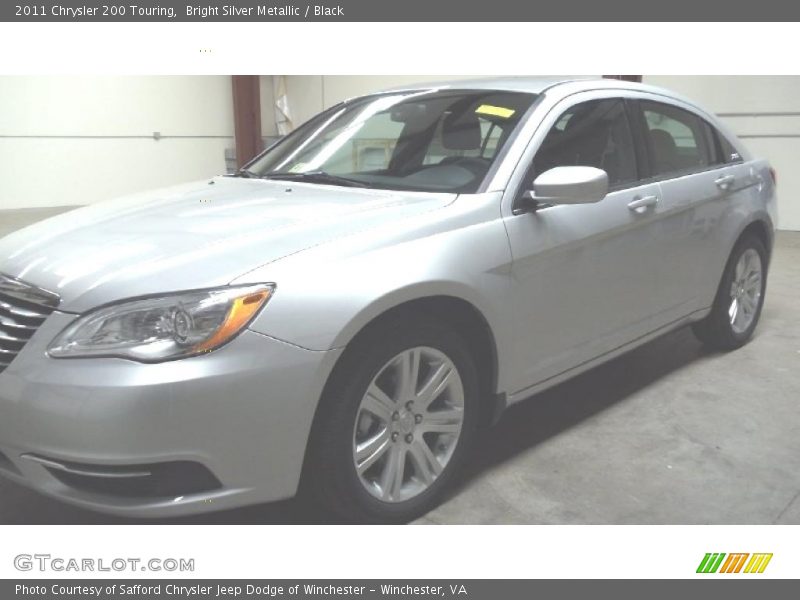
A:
24, 304
23, 308
15, 328
6, 340
23, 313
22, 292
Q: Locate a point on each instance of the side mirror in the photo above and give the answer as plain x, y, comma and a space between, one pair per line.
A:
570, 185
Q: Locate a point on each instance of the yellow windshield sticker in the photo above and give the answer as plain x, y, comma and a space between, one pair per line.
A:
495, 111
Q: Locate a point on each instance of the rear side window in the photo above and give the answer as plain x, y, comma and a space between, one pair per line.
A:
677, 139
721, 150
591, 134
728, 152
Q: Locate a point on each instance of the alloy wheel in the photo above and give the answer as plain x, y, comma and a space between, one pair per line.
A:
408, 424
745, 292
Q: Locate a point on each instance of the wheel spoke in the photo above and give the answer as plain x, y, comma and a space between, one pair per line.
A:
409, 374
740, 266
733, 311
443, 421
753, 280
426, 465
370, 451
748, 304
378, 403
741, 317
434, 385
392, 476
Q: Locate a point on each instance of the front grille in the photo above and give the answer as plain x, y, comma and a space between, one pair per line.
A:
23, 308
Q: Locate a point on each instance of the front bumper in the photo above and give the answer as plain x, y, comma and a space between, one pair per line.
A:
231, 426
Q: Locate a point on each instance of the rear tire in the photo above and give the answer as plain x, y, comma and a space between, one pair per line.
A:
358, 445
739, 299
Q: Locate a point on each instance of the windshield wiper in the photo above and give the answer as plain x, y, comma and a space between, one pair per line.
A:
246, 174
316, 177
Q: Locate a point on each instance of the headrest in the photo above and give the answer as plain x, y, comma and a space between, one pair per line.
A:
461, 131
663, 142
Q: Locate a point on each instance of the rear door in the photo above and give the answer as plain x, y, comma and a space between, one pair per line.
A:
686, 157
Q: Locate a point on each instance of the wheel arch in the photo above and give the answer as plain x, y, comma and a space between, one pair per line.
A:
460, 314
762, 229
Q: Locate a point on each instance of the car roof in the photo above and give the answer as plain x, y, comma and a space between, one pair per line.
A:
538, 85
561, 85
534, 85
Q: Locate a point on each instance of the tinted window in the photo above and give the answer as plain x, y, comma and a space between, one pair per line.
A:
490, 136
591, 134
677, 139
729, 153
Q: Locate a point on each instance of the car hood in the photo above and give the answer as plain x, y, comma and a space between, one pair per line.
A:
192, 236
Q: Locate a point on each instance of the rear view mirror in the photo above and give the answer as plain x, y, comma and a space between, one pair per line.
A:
409, 112
570, 185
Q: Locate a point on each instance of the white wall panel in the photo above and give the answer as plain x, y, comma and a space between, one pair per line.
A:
765, 112
61, 172
78, 140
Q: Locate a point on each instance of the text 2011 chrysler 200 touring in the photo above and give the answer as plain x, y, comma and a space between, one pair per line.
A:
345, 312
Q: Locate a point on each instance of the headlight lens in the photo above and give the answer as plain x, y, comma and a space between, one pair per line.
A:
163, 328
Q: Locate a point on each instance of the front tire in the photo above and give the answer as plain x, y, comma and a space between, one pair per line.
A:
740, 297
394, 424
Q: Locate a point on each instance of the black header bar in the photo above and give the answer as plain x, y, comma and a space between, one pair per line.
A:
371, 589
404, 11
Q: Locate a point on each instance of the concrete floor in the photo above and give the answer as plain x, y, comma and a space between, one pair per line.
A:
665, 434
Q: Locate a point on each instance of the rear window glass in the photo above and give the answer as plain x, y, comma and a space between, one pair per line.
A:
677, 140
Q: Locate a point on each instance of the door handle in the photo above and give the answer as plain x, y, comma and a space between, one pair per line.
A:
725, 181
641, 203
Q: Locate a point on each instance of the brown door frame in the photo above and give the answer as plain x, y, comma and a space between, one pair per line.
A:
635, 78
246, 117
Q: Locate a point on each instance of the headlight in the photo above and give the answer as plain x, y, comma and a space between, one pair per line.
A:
163, 328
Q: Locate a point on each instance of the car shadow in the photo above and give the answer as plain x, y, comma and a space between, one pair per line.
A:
557, 409
522, 427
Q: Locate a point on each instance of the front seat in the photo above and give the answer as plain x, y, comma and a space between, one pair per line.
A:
665, 151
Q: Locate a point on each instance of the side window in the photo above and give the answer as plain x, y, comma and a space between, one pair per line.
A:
591, 134
677, 139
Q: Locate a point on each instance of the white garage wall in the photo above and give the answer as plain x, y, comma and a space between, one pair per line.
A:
765, 112
79, 140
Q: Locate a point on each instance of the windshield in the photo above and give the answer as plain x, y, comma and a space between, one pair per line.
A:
432, 141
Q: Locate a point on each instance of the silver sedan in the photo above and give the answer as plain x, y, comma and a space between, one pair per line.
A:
342, 315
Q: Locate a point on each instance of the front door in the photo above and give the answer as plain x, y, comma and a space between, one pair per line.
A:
584, 275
